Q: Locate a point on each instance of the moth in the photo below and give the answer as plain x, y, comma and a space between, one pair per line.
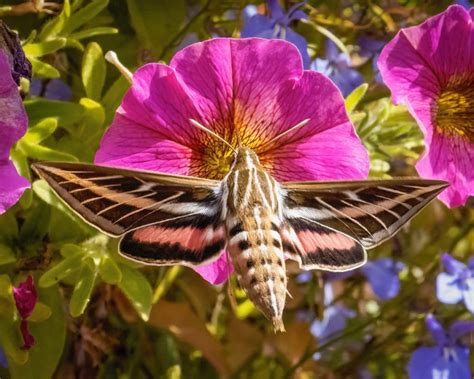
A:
165, 219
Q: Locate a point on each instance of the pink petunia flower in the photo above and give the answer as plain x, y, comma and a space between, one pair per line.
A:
13, 123
25, 300
242, 89
430, 69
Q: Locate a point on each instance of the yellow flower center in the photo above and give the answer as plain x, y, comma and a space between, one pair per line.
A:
455, 108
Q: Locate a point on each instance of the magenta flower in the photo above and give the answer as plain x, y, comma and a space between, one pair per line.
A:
430, 68
248, 89
25, 300
13, 123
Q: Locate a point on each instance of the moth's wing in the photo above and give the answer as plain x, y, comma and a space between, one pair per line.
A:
117, 201
314, 246
369, 211
190, 241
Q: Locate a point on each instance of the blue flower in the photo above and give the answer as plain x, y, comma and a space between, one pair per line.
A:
276, 25
54, 89
449, 359
334, 319
382, 275
3, 358
370, 48
457, 283
337, 66
464, 3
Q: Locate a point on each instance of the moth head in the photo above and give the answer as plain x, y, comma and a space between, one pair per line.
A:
245, 158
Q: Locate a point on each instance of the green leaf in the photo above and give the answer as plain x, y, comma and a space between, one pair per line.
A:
9, 227
137, 289
69, 250
109, 270
50, 336
113, 97
82, 291
65, 112
57, 24
43, 70
44, 153
41, 130
156, 22
43, 48
61, 270
355, 97
6, 255
84, 15
92, 32
93, 71
41, 313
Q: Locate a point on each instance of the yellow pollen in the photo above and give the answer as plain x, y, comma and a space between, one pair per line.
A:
455, 108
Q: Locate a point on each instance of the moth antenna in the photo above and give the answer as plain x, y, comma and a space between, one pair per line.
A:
112, 57
202, 127
292, 129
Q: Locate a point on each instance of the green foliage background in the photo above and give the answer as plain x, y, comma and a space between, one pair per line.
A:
102, 316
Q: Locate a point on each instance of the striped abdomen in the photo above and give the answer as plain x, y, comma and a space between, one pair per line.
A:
259, 263
254, 241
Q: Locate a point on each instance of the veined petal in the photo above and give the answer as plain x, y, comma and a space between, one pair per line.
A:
130, 144
449, 158
430, 68
447, 289
12, 185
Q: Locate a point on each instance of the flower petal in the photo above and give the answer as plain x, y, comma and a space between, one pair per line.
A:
459, 328
430, 363
13, 120
422, 362
436, 329
468, 294
455, 367
307, 154
25, 297
382, 275
416, 65
216, 272
449, 158
333, 322
3, 358
447, 289
257, 26
128, 144
452, 265
12, 185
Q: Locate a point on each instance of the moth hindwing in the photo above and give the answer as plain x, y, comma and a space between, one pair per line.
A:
331, 223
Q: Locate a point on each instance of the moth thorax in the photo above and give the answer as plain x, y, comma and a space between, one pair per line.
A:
260, 266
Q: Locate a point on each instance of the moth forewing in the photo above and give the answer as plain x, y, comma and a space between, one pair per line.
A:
370, 211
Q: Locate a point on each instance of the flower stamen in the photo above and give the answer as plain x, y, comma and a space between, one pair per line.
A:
112, 57
455, 108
